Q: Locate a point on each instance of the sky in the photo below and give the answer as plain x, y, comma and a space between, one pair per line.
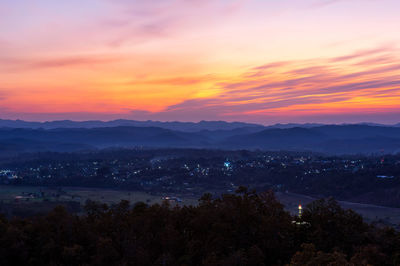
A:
262, 61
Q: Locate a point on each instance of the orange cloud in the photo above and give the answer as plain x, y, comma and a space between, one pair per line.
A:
18, 64
305, 88
188, 60
291, 88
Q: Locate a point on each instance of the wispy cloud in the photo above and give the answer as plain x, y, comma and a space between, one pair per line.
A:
323, 3
205, 59
301, 85
176, 81
8, 63
142, 21
3, 94
364, 53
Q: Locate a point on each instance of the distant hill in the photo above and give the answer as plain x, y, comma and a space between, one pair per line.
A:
342, 139
276, 139
329, 139
107, 136
292, 125
14, 146
173, 125
180, 126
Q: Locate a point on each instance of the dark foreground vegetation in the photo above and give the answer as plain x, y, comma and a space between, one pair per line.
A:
236, 229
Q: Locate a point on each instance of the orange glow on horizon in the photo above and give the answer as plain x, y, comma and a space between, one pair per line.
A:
249, 61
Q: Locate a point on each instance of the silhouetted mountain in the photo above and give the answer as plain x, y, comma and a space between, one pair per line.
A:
362, 146
19, 145
291, 125
180, 126
102, 137
327, 139
338, 139
220, 135
358, 131
276, 139
371, 124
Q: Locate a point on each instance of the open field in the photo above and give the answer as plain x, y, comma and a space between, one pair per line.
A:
371, 213
39, 194
45, 198
23, 201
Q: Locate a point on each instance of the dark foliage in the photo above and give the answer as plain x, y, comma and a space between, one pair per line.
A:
236, 229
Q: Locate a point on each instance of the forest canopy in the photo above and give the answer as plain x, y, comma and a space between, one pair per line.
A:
245, 228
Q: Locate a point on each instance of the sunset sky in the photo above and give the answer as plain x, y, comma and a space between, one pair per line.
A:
264, 61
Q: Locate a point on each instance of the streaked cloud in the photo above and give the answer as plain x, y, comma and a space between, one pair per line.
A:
289, 87
17, 64
258, 61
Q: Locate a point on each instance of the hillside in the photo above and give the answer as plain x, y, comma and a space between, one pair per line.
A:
329, 139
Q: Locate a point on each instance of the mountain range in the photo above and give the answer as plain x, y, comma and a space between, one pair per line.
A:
174, 125
68, 136
181, 126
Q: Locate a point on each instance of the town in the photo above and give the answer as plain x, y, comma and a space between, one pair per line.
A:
191, 172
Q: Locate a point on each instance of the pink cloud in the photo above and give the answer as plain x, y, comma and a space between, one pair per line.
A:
364, 53
14, 64
308, 83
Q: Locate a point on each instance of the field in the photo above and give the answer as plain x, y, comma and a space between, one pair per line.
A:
21, 199
371, 213
40, 194
27, 200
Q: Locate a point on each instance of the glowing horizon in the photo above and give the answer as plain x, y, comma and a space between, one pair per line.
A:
266, 62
